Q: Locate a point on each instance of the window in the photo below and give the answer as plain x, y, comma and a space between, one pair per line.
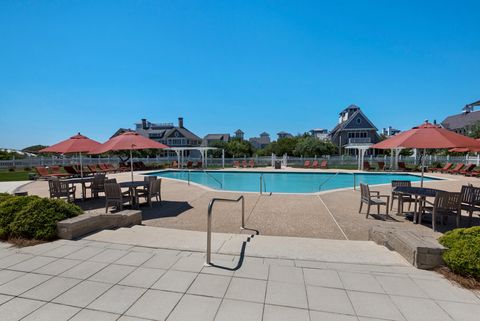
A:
358, 120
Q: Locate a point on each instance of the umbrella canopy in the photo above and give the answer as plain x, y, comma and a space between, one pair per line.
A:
75, 144
128, 141
428, 136
466, 149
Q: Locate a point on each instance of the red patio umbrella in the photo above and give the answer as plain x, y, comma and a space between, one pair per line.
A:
128, 141
428, 136
75, 144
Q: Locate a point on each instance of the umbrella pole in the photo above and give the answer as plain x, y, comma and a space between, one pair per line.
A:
81, 165
423, 166
131, 163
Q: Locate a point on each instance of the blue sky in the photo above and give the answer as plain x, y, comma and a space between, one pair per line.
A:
95, 66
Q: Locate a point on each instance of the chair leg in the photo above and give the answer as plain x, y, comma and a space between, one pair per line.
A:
433, 221
368, 210
361, 206
378, 209
393, 200
470, 214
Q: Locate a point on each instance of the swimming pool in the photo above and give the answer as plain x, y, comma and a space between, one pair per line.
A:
283, 182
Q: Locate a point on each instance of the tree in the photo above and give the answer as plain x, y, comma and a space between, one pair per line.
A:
474, 130
238, 148
310, 147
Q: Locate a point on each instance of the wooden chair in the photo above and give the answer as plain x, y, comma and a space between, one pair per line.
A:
445, 204
97, 185
467, 170
59, 189
401, 198
152, 190
114, 196
403, 167
470, 200
306, 163
456, 169
251, 163
381, 167
315, 164
372, 198
441, 170
236, 164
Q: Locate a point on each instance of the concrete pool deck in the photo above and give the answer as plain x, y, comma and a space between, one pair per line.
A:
328, 215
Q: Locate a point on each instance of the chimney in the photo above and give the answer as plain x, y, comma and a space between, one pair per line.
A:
144, 123
180, 122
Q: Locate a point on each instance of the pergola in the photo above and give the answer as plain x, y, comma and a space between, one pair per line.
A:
361, 148
180, 151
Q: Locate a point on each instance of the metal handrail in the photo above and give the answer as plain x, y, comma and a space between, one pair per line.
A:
215, 179
262, 184
328, 179
208, 261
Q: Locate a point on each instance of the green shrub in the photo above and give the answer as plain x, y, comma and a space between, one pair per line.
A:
4, 196
11, 169
38, 219
463, 251
9, 207
27, 169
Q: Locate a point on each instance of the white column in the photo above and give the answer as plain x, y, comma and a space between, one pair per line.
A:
223, 158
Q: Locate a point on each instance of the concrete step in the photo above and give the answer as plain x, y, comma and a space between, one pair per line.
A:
295, 248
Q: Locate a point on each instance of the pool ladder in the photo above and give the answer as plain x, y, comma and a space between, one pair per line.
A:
326, 181
263, 185
208, 174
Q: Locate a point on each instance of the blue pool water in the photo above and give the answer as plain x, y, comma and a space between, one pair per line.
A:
284, 182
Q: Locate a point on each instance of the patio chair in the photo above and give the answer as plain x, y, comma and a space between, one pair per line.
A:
189, 164
372, 198
456, 169
402, 167
59, 189
236, 164
366, 166
251, 163
467, 170
324, 164
306, 164
441, 170
153, 190
71, 170
174, 164
470, 200
114, 196
55, 170
244, 163
97, 185
44, 173
92, 168
315, 164
198, 165
401, 198
445, 204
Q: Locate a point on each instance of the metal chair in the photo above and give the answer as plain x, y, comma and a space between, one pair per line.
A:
470, 200
445, 204
97, 185
401, 198
59, 189
372, 198
114, 196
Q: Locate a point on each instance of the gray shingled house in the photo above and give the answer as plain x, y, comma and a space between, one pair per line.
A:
461, 123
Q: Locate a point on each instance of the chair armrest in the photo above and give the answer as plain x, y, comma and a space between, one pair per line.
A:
375, 192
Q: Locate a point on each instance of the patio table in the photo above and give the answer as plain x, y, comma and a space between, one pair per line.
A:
420, 194
132, 186
79, 180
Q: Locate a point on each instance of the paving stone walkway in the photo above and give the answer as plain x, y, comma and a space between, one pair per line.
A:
91, 280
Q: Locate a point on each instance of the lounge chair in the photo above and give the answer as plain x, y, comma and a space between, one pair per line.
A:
198, 165
236, 164
366, 166
315, 164
251, 163
71, 170
456, 169
104, 168
44, 173
244, 163
402, 167
381, 166
467, 170
441, 170
189, 164
92, 168
114, 196
306, 164
123, 167
372, 198
174, 164
324, 164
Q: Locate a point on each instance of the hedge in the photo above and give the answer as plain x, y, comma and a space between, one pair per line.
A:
463, 251
32, 217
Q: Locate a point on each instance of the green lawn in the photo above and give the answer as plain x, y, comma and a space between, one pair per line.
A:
19, 175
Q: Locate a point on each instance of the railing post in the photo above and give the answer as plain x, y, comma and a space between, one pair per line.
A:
354, 182
261, 180
209, 234
188, 177
243, 214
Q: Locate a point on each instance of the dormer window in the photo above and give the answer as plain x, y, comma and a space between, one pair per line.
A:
358, 120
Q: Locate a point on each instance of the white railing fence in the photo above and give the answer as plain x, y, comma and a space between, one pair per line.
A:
333, 161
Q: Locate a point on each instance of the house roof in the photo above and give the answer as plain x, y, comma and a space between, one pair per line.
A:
461, 120
344, 124
216, 136
182, 130
283, 133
